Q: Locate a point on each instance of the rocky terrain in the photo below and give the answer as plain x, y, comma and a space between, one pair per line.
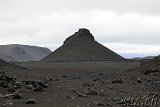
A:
81, 73
151, 67
17, 52
81, 84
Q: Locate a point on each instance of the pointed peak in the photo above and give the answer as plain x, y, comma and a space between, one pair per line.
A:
82, 46
82, 32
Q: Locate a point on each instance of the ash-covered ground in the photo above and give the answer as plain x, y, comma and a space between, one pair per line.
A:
79, 84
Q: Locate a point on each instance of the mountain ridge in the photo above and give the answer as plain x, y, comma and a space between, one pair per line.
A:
22, 53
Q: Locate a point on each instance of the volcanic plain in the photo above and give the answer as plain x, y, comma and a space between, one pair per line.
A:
81, 73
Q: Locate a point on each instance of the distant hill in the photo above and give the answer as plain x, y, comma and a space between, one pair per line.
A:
21, 53
82, 46
143, 58
149, 57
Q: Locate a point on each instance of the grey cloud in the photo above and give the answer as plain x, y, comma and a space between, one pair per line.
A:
40, 6
49, 22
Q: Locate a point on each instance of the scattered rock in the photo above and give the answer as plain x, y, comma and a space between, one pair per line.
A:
88, 84
6, 80
38, 89
31, 101
117, 81
11, 84
16, 85
92, 91
6, 96
43, 84
17, 95
95, 104
96, 79
29, 86
139, 80
11, 90
47, 79
100, 74
116, 99
78, 93
64, 76
81, 95
36, 85
56, 79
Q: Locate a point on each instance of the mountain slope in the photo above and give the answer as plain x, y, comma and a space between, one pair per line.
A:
16, 52
82, 46
151, 67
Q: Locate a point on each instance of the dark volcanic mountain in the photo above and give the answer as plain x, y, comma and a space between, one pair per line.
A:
16, 52
82, 46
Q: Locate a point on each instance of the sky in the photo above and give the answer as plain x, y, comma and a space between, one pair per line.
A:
131, 28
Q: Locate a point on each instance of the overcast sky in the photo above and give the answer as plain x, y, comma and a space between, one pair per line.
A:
128, 27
